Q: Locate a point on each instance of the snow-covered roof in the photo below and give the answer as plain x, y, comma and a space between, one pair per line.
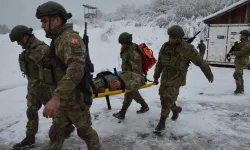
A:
225, 10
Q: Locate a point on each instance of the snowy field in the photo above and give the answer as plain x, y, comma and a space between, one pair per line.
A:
212, 117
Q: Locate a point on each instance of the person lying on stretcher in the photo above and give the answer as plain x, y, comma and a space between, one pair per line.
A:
126, 80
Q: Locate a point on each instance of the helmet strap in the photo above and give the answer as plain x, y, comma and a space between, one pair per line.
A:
25, 44
178, 41
49, 32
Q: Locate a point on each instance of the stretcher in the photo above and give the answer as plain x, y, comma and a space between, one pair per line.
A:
108, 93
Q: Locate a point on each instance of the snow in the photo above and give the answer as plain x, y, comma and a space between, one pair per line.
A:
212, 117
225, 9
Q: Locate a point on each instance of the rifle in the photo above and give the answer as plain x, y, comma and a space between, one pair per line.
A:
190, 40
85, 39
228, 56
87, 80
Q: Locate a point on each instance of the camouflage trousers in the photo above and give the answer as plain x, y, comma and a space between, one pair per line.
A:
78, 116
133, 95
35, 99
238, 76
168, 96
202, 53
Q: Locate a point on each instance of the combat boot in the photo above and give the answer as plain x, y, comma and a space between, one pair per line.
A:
68, 131
242, 87
176, 112
121, 114
27, 143
144, 108
238, 90
161, 125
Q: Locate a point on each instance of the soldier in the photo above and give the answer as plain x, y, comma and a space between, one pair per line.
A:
242, 52
202, 47
131, 80
173, 62
131, 56
67, 105
29, 60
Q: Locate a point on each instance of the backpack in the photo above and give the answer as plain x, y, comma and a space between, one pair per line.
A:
148, 58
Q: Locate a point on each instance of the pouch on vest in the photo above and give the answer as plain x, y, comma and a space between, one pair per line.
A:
23, 62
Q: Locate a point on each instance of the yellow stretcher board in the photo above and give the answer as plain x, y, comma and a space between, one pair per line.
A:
110, 93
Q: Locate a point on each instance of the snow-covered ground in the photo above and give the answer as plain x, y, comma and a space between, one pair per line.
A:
212, 117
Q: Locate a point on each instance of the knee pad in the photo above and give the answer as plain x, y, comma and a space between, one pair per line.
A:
83, 131
43, 94
56, 134
237, 75
32, 113
234, 75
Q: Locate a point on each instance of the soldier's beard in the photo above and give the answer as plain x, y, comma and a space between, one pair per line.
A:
48, 35
175, 42
243, 39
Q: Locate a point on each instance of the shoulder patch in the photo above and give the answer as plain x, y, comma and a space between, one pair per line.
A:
136, 55
74, 41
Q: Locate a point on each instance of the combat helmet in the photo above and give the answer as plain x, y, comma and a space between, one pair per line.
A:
125, 38
52, 8
176, 31
245, 32
17, 33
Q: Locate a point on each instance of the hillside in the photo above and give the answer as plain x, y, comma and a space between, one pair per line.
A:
212, 117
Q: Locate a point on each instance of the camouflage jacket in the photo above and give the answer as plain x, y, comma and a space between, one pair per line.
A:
132, 81
173, 63
30, 60
242, 53
71, 50
132, 59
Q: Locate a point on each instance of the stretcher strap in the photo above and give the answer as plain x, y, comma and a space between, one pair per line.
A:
121, 81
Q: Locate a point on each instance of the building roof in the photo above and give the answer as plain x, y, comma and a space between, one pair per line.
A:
89, 7
225, 10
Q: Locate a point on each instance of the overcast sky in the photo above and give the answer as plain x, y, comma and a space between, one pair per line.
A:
13, 12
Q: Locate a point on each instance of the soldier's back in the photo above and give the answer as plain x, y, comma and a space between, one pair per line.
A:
132, 59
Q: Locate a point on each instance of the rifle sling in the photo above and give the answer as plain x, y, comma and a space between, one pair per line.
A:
63, 67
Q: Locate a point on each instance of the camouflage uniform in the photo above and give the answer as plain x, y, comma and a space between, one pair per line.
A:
242, 52
34, 54
132, 81
202, 48
173, 63
38, 94
131, 61
70, 49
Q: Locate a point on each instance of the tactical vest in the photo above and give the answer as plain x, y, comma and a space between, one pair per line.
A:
128, 66
173, 58
23, 62
174, 64
242, 60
